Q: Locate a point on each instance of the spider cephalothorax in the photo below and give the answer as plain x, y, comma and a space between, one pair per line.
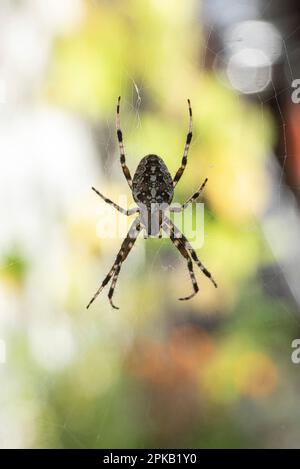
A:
153, 188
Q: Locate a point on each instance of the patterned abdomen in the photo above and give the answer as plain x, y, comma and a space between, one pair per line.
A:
152, 182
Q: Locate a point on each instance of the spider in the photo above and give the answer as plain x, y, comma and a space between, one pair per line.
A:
152, 188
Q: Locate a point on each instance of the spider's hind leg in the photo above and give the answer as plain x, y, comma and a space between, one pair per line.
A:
186, 148
121, 146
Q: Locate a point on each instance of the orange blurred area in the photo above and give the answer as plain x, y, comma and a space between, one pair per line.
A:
177, 361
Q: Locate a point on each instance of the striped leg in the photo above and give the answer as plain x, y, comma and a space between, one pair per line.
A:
117, 207
190, 200
187, 245
105, 282
181, 248
186, 149
121, 146
113, 286
122, 254
128, 243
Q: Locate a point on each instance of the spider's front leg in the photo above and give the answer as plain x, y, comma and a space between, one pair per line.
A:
117, 207
181, 248
126, 248
190, 249
121, 256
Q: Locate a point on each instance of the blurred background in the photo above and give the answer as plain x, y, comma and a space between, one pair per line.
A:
215, 371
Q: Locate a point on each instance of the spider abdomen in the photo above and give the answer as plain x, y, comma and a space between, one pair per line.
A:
152, 182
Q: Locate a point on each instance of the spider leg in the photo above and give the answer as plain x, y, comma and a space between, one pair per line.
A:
113, 286
160, 224
121, 146
127, 246
188, 246
190, 199
117, 207
122, 254
186, 149
181, 248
